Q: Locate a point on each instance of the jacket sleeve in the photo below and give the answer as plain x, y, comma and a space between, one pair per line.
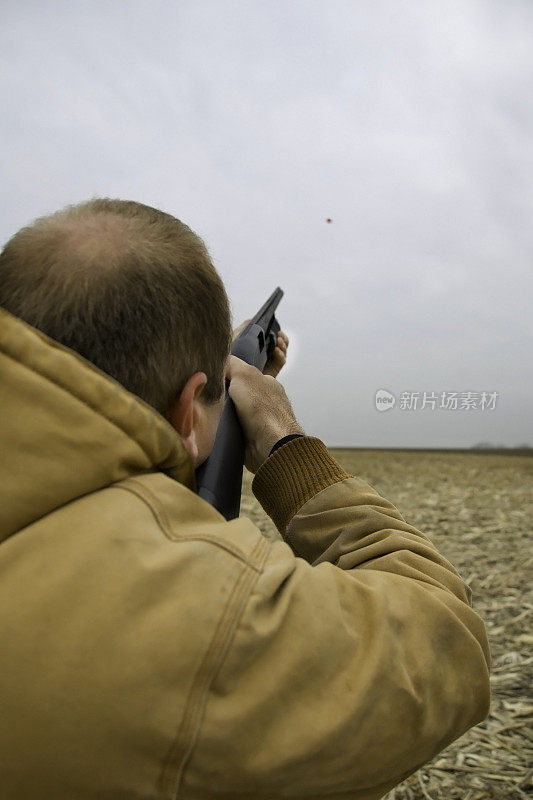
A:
357, 657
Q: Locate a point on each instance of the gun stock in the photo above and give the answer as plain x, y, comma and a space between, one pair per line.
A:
219, 478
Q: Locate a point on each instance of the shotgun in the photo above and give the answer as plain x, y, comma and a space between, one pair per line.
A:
219, 478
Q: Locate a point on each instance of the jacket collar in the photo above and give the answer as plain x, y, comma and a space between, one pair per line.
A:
67, 429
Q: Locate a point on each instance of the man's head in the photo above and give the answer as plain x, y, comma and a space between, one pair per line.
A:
132, 290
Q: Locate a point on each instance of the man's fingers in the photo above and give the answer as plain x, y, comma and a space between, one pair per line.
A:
237, 367
276, 362
282, 342
278, 358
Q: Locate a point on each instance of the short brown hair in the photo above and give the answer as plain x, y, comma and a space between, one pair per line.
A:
130, 288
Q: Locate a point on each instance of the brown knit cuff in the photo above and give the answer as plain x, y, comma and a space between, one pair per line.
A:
293, 474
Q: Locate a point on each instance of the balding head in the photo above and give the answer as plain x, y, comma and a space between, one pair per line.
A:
130, 288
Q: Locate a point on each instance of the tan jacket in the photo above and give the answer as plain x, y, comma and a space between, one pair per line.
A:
149, 649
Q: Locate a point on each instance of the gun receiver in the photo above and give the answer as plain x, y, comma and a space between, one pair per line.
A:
219, 478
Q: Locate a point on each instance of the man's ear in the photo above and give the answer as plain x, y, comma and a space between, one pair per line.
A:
182, 413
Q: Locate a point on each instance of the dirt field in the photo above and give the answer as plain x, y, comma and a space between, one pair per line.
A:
477, 508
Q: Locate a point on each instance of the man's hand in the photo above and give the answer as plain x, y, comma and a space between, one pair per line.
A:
277, 358
264, 410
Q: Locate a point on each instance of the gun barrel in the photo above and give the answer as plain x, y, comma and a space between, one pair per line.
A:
269, 308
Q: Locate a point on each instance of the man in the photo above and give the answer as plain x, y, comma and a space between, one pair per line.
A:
149, 648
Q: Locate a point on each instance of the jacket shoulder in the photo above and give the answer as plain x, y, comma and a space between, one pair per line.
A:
132, 595
181, 515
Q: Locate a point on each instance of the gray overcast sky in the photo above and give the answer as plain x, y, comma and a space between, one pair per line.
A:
407, 122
